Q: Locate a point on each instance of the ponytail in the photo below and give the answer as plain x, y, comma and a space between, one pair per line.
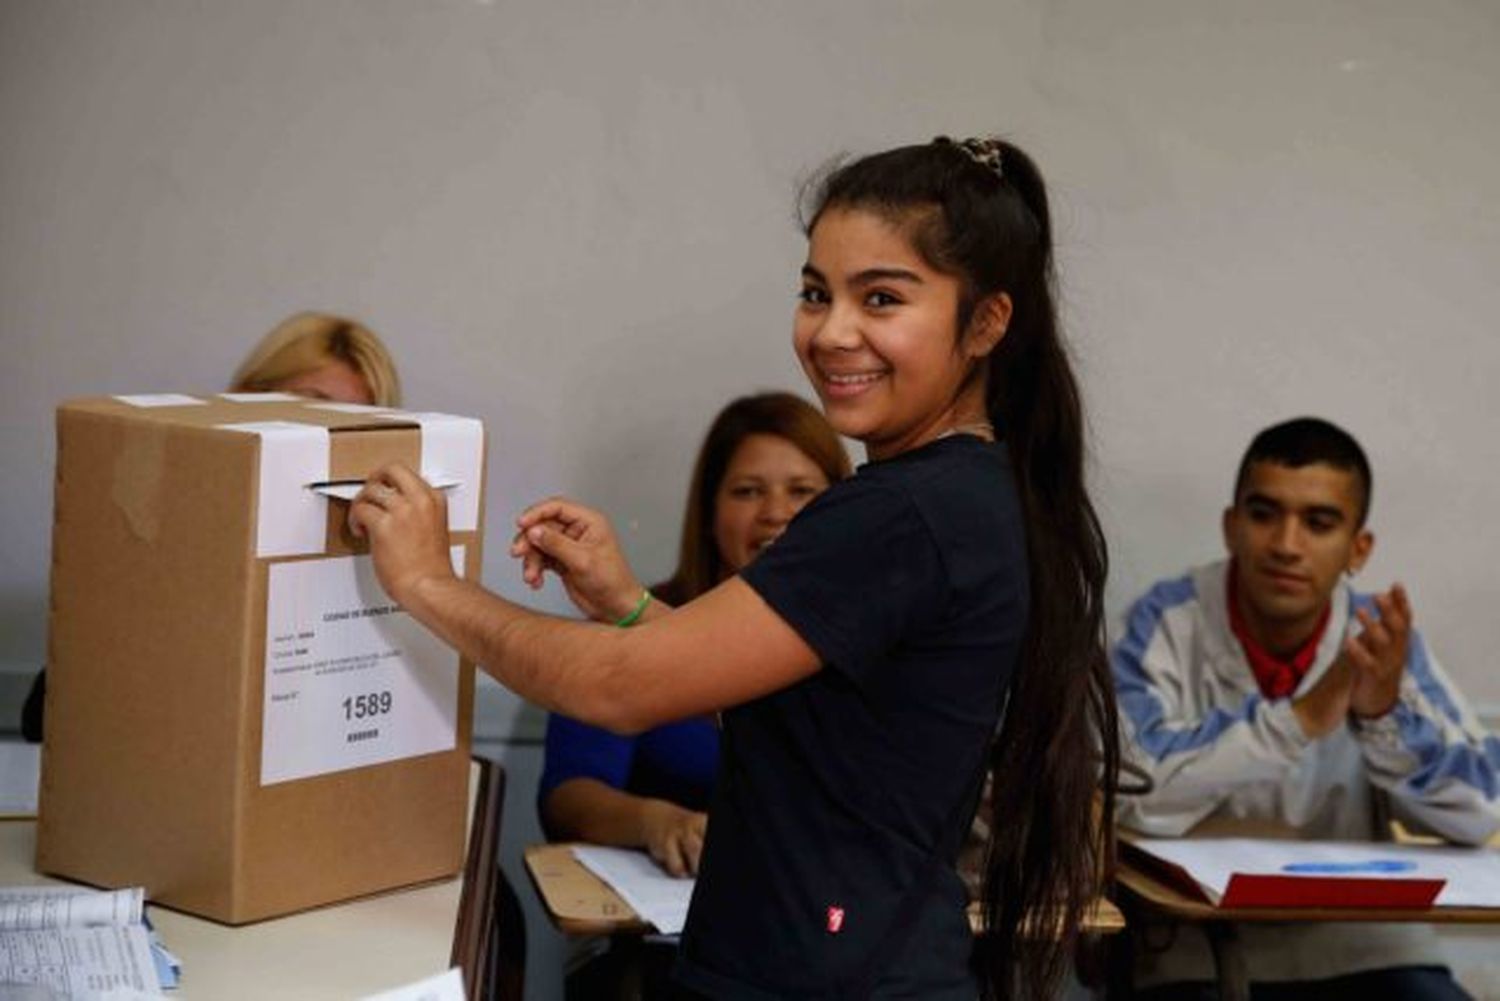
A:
1050, 850
977, 209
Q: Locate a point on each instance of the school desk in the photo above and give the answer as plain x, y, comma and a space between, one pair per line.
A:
335, 953
1145, 893
580, 903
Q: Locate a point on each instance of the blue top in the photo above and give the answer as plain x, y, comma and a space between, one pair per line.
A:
843, 799
675, 762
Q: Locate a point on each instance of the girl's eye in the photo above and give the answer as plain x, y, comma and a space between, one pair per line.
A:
744, 493
879, 300
813, 296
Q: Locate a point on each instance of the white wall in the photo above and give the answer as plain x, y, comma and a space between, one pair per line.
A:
576, 221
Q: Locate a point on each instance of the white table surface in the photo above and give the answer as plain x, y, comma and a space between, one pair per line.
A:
344, 951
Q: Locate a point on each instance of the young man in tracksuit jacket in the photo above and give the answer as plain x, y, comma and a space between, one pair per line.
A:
1264, 692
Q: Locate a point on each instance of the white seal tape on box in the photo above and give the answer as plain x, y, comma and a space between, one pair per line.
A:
349, 408
290, 519
161, 400
452, 450
262, 397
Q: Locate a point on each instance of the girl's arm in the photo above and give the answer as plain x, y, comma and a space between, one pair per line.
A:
723, 649
589, 810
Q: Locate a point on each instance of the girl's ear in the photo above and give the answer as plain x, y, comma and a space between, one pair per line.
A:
987, 328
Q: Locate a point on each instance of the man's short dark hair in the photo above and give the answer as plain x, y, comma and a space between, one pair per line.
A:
1306, 441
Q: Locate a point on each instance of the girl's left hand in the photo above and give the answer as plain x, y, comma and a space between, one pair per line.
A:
578, 544
406, 522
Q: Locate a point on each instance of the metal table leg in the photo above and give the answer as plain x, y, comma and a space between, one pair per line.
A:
1229, 960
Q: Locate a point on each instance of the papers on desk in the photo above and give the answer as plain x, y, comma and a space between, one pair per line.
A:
651, 892
1252, 872
73, 943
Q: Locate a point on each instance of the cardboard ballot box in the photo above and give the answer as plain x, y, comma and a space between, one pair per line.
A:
238, 718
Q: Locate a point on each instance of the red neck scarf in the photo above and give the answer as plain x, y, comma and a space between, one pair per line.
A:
1278, 677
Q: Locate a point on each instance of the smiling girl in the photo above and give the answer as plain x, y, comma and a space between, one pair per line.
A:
934, 616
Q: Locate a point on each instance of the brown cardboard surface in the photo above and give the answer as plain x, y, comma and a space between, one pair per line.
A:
152, 760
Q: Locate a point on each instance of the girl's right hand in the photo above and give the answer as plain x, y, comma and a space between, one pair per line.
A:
578, 544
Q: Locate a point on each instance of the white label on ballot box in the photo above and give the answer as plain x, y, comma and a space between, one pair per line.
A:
351, 678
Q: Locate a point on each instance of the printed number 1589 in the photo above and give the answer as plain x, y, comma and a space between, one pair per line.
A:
364, 706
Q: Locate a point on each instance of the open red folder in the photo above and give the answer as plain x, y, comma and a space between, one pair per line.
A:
1246, 873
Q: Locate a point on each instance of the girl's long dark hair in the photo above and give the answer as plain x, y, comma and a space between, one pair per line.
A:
1055, 760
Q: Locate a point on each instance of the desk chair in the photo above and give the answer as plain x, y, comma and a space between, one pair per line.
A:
489, 942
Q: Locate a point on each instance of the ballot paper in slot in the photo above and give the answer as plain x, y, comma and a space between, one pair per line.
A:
349, 489
1251, 872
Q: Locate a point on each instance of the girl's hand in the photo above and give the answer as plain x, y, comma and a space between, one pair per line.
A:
406, 522
674, 836
578, 544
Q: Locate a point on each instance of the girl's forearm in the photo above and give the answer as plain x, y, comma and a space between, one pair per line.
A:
560, 664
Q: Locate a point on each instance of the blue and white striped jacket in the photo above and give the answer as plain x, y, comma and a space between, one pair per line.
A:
1223, 756
1214, 745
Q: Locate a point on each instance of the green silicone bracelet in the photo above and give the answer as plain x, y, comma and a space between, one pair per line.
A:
635, 613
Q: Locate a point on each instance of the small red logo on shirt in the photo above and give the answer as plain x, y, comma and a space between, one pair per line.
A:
835, 920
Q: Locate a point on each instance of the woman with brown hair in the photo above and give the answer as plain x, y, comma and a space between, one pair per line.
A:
763, 458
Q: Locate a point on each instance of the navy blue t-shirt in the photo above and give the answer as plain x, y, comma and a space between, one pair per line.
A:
834, 795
